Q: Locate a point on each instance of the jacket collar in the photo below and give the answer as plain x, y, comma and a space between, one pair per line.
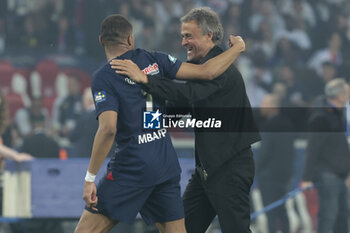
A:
216, 50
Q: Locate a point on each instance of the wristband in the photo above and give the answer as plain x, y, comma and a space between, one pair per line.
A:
90, 177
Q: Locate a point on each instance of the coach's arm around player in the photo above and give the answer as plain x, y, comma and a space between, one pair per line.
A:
206, 71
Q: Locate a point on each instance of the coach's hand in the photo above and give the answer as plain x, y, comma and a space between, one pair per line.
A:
89, 195
130, 69
238, 42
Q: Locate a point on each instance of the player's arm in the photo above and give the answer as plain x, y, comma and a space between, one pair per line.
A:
207, 71
215, 66
104, 139
103, 142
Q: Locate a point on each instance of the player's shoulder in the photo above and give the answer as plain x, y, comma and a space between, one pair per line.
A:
153, 53
142, 51
146, 54
104, 73
105, 69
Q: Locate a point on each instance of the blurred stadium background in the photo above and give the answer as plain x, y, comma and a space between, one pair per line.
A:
49, 50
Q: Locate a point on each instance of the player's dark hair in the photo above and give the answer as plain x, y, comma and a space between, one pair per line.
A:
115, 30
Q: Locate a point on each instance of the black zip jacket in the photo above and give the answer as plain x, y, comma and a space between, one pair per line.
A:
328, 148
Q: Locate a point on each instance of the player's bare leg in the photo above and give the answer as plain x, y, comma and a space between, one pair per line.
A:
177, 226
94, 223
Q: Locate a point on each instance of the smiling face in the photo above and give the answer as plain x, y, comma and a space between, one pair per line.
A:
196, 44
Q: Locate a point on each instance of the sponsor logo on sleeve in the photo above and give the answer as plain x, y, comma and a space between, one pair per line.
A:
99, 96
172, 59
151, 69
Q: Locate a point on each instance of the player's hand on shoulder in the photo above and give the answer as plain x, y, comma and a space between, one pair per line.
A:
130, 69
237, 42
90, 196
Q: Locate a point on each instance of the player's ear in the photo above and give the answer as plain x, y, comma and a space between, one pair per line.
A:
131, 40
100, 40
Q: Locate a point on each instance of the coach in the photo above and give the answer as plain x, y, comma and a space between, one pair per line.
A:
224, 161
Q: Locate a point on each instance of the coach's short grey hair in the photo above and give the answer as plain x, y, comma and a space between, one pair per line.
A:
335, 87
208, 20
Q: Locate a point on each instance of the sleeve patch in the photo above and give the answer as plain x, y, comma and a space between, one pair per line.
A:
172, 59
100, 96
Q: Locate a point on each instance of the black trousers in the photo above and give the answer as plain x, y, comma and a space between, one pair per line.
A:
225, 193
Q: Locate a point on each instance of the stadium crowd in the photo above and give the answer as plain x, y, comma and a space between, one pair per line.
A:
293, 47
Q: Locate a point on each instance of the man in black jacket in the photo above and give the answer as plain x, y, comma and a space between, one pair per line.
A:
224, 162
328, 158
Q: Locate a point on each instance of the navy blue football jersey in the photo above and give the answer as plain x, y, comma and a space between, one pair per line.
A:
143, 157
